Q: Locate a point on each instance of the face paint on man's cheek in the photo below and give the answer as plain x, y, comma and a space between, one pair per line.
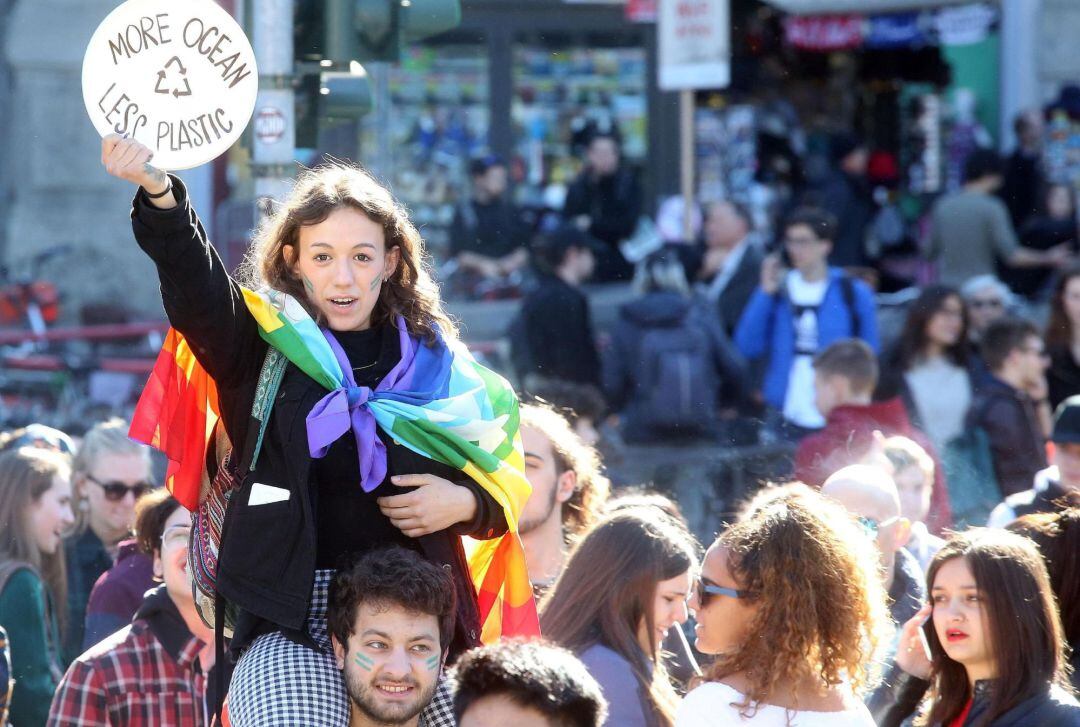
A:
432, 663
364, 662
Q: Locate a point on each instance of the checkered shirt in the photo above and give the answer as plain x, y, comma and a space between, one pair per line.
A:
130, 679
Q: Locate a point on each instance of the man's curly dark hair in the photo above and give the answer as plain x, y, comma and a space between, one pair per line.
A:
533, 674
391, 576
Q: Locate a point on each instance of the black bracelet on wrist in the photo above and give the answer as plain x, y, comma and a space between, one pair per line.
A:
160, 194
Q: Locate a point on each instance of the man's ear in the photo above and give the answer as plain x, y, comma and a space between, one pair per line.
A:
339, 652
79, 482
565, 486
903, 532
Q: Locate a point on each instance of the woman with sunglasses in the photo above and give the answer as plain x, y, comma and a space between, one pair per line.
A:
990, 653
790, 602
35, 510
623, 588
110, 473
157, 669
1063, 337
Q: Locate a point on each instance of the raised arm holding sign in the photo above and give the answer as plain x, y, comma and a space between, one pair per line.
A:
127, 159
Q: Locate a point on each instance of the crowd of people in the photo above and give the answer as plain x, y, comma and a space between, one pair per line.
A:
359, 525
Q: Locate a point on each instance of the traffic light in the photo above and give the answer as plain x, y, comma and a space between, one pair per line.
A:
375, 30
333, 37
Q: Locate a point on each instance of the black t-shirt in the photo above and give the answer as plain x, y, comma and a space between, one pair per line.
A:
493, 229
349, 519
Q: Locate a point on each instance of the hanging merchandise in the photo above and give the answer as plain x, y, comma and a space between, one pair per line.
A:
922, 122
965, 25
966, 134
1062, 152
440, 110
726, 152
564, 95
900, 30
824, 33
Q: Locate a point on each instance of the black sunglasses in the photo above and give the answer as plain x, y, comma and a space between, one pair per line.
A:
115, 491
707, 589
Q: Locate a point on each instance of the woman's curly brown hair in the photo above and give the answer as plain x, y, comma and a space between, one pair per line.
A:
821, 603
409, 292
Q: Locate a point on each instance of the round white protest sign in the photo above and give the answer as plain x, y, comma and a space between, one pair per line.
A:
179, 77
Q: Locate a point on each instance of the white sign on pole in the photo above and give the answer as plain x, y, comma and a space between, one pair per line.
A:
179, 77
695, 44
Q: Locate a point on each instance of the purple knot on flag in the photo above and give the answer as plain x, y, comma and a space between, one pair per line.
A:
346, 409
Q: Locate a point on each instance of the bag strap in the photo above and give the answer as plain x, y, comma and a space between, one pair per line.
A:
847, 289
270, 377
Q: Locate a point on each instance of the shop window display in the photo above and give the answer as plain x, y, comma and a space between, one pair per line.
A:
560, 94
440, 114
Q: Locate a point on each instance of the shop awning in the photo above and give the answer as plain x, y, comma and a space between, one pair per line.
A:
863, 7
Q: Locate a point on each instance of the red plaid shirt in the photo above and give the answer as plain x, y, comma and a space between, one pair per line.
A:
132, 679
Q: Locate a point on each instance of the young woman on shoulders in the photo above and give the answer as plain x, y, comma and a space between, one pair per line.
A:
378, 415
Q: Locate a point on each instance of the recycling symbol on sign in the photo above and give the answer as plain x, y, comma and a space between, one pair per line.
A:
176, 91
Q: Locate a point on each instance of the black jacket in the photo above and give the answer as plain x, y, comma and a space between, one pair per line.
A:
1063, 376
552, 336
613, 205
849, 199
267, 553
1051, 708
735, 294
1023, 186
493, 229
1016, 442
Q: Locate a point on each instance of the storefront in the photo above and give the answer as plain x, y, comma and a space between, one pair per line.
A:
524, 81
920, 86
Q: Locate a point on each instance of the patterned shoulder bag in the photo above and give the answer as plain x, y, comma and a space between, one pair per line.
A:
207, 520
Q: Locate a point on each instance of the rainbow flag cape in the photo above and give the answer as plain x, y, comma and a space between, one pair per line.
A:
444, 406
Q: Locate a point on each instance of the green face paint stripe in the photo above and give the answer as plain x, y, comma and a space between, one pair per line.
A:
308, 285
433, 663
376, 282
364, 662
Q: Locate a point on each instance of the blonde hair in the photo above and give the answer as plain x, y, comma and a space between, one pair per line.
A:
410, 291
903, 453
661, 273
107, 437
26, 474
592, 489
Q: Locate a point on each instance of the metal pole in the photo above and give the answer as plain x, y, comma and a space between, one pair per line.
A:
380, 159
273, 125
686, 160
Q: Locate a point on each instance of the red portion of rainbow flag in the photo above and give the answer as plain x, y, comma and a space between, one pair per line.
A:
176, 415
